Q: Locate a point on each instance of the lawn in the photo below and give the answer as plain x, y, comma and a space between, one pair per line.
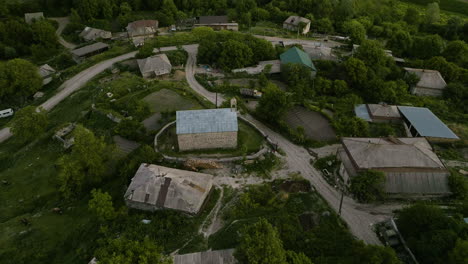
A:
315, 125
247, 136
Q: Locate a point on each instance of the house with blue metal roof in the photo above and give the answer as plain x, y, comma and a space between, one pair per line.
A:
421, 122
206, 129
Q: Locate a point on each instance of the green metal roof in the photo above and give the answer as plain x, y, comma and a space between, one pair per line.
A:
296, 55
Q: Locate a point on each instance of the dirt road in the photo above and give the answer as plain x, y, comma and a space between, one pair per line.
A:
63, 22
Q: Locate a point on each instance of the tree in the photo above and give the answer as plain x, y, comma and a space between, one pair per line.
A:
355, 30
101, 205
371, 52
203, 33
21, 79
170, 10
297, 258
28, 123
450, 71
88, 9
85, 164
260, 244
427, 47
432, 13
368, 186
401, 42
458, 185
234, 55
273, 104
457, 52
356, 70
124, 251
44, 34
145, 51
412, 16
459, 253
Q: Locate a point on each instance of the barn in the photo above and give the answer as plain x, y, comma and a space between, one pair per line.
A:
207, 129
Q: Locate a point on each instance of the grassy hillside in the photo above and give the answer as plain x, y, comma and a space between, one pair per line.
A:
457, 6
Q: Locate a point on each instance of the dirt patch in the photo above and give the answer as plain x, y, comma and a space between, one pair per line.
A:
152, 123
178, 75
315, 125
295, 186
280, 84
309, 221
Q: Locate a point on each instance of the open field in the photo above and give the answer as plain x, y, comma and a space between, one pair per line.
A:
316, 126
167, 101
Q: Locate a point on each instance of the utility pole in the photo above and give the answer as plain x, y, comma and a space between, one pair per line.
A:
216, 100
341, 202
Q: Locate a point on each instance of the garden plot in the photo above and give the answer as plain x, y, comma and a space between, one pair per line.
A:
166, 101
316, 126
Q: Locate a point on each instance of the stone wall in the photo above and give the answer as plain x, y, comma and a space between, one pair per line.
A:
207, 141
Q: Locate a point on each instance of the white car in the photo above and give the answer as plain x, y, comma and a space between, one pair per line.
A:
6, 113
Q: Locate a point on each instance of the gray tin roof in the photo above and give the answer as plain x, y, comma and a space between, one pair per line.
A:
426, 123
225, 256
89, 49
206, 121
362, 112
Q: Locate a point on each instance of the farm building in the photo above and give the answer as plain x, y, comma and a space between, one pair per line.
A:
295, 55
91, 34
207, 129
155, 187
140, 30
31, 17
421, 122
410, 166
154, 66
216, 23
88, 51
430, 83
297, 23
46, 72
225, 256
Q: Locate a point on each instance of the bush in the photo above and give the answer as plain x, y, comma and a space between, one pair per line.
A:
458, 185
177, 57
368, 186
131, 129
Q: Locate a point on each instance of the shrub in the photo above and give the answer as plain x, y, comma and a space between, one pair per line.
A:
368, 186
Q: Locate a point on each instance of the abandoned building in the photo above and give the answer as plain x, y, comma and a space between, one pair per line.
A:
154, 66
298, 24
410, 166
431, 82
92, 34
139, 31
46, 72
207, 129
30, 18
216, 23
87, 51
155, 187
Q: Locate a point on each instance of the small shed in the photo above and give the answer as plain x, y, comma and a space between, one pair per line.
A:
46, 72
156, 65
91, 34
88, 51
293, 23
156, 187
421, 122
31, 17
295, 55
379, 113
216, 23
431, 82
207, 129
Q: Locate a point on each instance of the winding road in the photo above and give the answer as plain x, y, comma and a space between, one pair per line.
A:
359, 217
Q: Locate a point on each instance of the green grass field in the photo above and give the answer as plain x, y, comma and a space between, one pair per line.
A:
167, 101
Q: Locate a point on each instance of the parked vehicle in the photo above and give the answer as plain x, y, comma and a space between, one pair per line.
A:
6, 113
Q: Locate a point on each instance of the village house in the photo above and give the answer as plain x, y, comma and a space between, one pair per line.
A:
92, 34
378, 113
216, 23
156, 187
87, 51
32, 17
410, 166
298, 24
207, 129
154, 66
140, 30
46, 72
431, 82
224, 256
295, 55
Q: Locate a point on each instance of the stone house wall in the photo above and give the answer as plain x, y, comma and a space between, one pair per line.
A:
207, 141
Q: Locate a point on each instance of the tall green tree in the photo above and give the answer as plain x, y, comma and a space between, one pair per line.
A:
124, 251
28, 123
21, 79
459, 253
432, 13
101, 205
235, 54
273, 104
44, 33
260, 244
355, 30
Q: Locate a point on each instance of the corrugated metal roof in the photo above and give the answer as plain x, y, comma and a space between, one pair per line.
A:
89, 49
426, 123
361, 112
225, 256
417, 182
428, 78
157, 63
206, 121
296, 55
213, 20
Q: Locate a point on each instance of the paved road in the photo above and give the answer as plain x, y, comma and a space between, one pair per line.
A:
359, 217
304, 42
63, 22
